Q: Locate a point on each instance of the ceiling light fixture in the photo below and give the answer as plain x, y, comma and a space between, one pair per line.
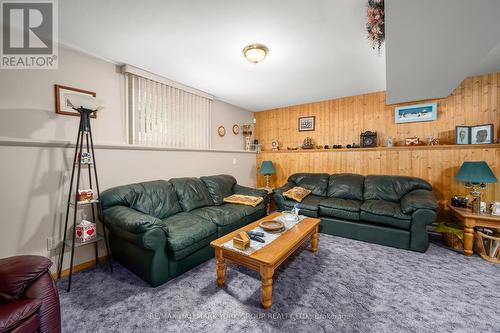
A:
255, 53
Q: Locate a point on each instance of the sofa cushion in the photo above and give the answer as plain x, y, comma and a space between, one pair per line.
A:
386, 213
316, 182
187, 233
340, 208
219, 187
220, 215
392, 188
192, 193
247, 210
156, 198
346, 186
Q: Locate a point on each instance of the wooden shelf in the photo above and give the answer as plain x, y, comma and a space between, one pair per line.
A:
397, 148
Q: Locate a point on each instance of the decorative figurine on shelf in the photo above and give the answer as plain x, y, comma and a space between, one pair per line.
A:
390, 142
414, 141
432, 141
368, 139
247, 132
308, 143
85, 158
85, 195
275, 145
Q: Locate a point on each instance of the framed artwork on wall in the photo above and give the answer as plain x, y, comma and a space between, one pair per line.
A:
307, 123
221, 131
481, 134
462, 135
415, 113
62, 105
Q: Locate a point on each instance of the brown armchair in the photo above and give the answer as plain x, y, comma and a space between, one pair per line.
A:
29, 301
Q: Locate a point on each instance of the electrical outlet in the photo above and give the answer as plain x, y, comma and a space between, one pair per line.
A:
51, 244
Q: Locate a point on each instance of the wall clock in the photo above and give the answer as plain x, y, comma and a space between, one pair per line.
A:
236, 129
369, 139
222, 131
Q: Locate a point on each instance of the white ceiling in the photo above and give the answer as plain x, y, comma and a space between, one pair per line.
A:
318, 48
431, 46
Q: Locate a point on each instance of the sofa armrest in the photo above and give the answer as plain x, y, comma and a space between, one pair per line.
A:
129, 219
418, 199
284, 188
16, 273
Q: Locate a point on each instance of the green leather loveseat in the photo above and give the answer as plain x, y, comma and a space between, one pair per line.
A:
387, 210
160, 229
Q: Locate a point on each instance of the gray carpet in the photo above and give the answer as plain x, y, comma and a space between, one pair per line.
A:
348, 286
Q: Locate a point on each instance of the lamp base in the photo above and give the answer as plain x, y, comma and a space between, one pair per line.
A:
476, 204
268, 177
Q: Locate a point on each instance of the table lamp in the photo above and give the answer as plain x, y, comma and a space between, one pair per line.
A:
267, 169
475, 175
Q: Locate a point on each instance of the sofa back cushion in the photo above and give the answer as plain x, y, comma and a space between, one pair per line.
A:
156, 198
219, 187
347, 186
317, 183
192, 193
392, 188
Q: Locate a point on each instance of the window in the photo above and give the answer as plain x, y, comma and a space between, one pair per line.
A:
166, 114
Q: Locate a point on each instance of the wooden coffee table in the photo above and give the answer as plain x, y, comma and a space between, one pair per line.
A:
267, 259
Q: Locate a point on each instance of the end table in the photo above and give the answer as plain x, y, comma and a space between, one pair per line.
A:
471, 220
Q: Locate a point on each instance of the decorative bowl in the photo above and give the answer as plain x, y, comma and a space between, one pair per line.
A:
272, 225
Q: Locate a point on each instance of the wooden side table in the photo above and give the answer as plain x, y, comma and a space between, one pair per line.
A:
470, 220
271, 207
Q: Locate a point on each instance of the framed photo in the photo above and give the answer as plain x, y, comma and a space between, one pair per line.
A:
481, 134
462, 135
221, 131
307, 123
62, 105
415, 113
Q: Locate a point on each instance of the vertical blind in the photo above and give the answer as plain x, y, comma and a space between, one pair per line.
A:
166, 116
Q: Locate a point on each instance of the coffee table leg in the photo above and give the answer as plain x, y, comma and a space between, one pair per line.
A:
314, 240
468, 240
221, 267
266, 274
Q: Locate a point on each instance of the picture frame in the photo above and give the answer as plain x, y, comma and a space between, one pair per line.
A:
481, 134
462, 135
236, 129
221, 130
62, 106
415, 113
307, 123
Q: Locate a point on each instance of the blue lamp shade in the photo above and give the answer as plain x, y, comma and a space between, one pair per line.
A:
475, 173
267, 168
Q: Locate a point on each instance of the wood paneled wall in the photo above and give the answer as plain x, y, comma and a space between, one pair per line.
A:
340, 121
438, 165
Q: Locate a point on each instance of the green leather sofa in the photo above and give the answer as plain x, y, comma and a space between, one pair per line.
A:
386, 210
160, 229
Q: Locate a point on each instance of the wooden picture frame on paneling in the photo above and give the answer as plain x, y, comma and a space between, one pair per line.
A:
62, 105
462, 135
481, 134
307, 123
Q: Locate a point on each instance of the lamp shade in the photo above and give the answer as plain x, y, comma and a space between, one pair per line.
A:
475, 172
267, 168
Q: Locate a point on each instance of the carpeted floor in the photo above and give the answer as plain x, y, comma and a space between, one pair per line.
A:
347, 286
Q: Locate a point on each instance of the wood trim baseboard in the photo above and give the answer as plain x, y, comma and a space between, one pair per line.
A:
80, 267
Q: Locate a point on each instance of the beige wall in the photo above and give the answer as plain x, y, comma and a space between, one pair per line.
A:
36, 162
